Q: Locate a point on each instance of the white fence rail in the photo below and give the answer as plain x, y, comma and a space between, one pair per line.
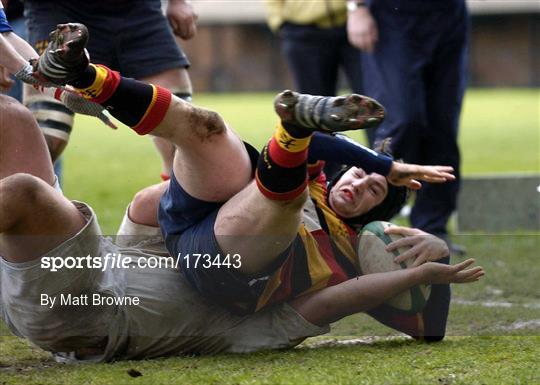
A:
253, 11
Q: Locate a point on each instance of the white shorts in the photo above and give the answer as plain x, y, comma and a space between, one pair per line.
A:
170, 319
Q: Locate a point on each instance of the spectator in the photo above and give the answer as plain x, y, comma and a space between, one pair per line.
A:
130, 36
315, 44
414, 63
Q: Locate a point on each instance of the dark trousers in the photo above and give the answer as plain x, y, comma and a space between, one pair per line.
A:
315, 56
418, 73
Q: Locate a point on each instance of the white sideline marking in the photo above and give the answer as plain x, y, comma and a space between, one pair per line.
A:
531, 324
502, 304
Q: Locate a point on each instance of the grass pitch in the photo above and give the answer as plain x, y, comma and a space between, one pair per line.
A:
494, 325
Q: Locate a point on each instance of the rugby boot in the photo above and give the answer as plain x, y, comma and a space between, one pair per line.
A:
65, 58
328, 113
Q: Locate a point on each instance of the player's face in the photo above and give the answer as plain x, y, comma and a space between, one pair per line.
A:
356, 193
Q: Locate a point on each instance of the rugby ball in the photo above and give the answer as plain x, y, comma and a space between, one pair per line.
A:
373, 258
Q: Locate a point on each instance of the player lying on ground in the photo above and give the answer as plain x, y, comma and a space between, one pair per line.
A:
43, 223
259, 221
37, 221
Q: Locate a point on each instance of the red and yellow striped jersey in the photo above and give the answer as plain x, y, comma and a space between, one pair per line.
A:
323, 254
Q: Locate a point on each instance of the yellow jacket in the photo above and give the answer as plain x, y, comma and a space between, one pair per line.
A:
323, 13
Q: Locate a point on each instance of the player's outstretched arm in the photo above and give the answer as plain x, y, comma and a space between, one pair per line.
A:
409, 175
344, 150
21, 46
369, 291
9, 57
16, 56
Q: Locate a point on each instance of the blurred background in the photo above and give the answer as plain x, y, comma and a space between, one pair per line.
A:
235, 50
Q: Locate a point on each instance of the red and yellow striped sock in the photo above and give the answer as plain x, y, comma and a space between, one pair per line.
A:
139, 105
282, 167
103, 86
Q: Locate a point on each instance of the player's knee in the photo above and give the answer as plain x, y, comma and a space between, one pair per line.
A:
13, 114
143, 207
16, 120
206, 123
6, 100
176, 80
215, 123
19, 193
25, 188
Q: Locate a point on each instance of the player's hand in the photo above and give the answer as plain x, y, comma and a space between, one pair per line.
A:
422, 246
362, 29
76, 103
440, 273
182, 18
5, 80
403, 174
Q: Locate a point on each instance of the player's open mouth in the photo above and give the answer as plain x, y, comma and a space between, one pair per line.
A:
348, 195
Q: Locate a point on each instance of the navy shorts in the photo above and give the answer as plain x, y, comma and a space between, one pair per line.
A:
4, 25
187, 224
132, 37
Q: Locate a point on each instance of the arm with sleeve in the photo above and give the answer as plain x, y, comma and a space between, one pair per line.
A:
343, 150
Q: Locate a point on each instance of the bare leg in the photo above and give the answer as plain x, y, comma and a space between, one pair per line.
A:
143, 208
22, 147
177, 81
34, 217
211, 162
166, 151
257, 228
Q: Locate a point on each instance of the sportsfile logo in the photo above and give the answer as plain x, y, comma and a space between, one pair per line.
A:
119, 261
108, 261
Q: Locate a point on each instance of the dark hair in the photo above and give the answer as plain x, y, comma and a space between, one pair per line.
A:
391, 204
